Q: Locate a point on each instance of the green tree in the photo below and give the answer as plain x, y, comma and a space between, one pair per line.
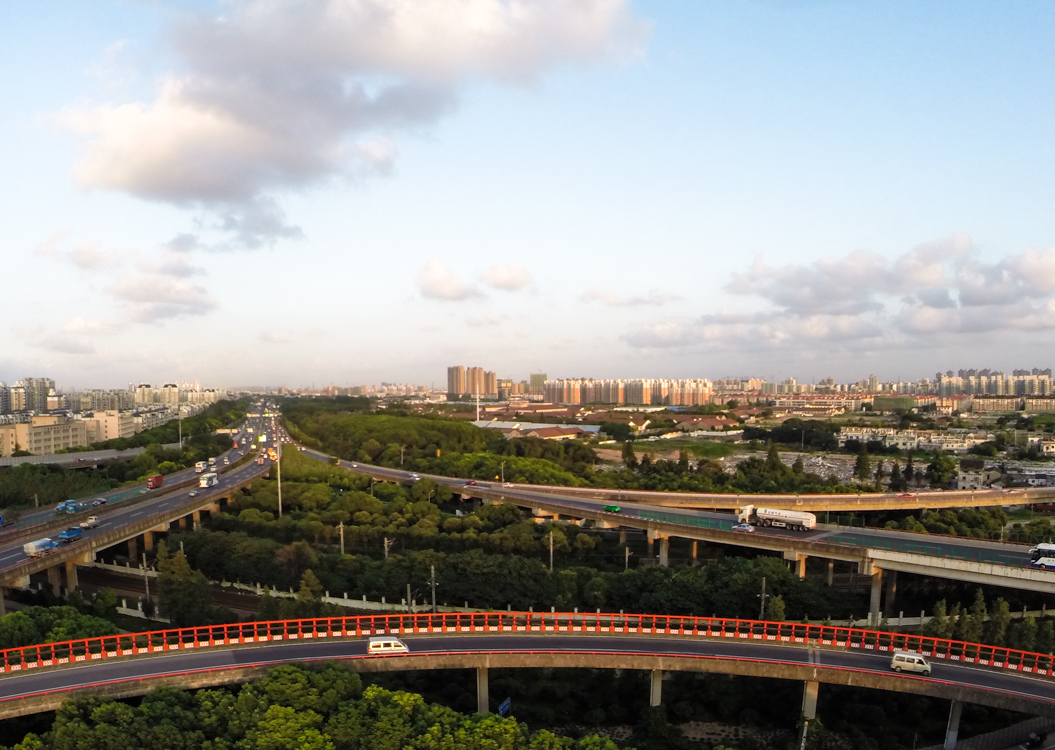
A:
775, 609
184, 595
105, 604
283, 728
996, 628
1046, 637
863, 465
939, 626
629, 457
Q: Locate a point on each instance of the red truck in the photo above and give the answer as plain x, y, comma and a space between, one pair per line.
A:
155, 481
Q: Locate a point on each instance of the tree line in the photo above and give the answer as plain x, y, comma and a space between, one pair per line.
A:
295, 707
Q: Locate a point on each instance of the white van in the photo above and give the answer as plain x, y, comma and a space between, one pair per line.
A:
907, 661
386, 644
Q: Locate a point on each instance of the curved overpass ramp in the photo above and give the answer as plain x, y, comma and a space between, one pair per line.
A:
39, 678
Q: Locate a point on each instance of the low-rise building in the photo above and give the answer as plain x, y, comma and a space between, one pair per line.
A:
43, 433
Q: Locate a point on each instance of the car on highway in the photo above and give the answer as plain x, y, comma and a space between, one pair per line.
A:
743, 527
908, 661
611, 509
355, 466
507, 484
470, 483
415, 477
99, 501
386, 644
907, 494
193, 493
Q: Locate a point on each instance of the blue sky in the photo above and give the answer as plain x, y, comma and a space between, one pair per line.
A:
346, 191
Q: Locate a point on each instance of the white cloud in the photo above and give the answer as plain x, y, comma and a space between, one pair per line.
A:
506, 277
935, 294
281, 94
87, 256
436, 281
653, 297
154, 297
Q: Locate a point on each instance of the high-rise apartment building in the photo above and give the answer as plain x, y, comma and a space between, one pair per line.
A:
456, 380
5, 398
35, 393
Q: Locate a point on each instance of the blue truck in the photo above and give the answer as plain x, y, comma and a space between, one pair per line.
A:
67, 507
72, 534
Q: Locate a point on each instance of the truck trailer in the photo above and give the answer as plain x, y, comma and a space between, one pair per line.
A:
40, 547
155, 481
791, 519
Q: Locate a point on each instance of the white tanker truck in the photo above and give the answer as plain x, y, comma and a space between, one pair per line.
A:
792, 519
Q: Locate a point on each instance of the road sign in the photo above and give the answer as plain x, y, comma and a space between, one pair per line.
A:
504, 709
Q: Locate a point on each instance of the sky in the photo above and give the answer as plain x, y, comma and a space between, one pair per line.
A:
315, 192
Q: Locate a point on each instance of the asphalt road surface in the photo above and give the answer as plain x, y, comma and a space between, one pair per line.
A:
30, 682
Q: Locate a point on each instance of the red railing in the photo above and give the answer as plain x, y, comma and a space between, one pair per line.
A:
15, 660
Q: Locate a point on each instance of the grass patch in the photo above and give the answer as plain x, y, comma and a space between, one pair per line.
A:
696, 448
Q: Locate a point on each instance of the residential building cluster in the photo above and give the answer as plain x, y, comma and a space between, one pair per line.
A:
951, 441
38, 418
1035, 382
639, 391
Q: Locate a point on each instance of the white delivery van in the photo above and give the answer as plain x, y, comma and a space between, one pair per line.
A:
907, 661
386, 644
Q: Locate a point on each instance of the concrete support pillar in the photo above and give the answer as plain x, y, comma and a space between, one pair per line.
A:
183, 522
953, 728
874, 612
664, 551
656, 694
809, 700
622, 536
3, 607
196, 519
831, 572
133, 548
694, 544
798, 562
891, 593
651, 549
71, 575
482, 699
54, 579
148, 541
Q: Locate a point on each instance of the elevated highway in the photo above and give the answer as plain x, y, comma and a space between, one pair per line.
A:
823, 503
129, 516
872, 551
38, 678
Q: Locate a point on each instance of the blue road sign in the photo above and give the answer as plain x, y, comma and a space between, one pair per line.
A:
504, 709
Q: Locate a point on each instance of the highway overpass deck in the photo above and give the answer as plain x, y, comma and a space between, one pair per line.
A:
974, 560
37, 678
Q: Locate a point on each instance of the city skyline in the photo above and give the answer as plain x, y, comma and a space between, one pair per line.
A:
607, 186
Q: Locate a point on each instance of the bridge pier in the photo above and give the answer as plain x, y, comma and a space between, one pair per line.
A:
148, 541
694, 560
809, 700
133, 548
952, 730
482, 699
799, 561
874, 613
54, 579
655, 697
71, 575
622, 537
831, 572
196, 519
664, 551
891, 593
3, 607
